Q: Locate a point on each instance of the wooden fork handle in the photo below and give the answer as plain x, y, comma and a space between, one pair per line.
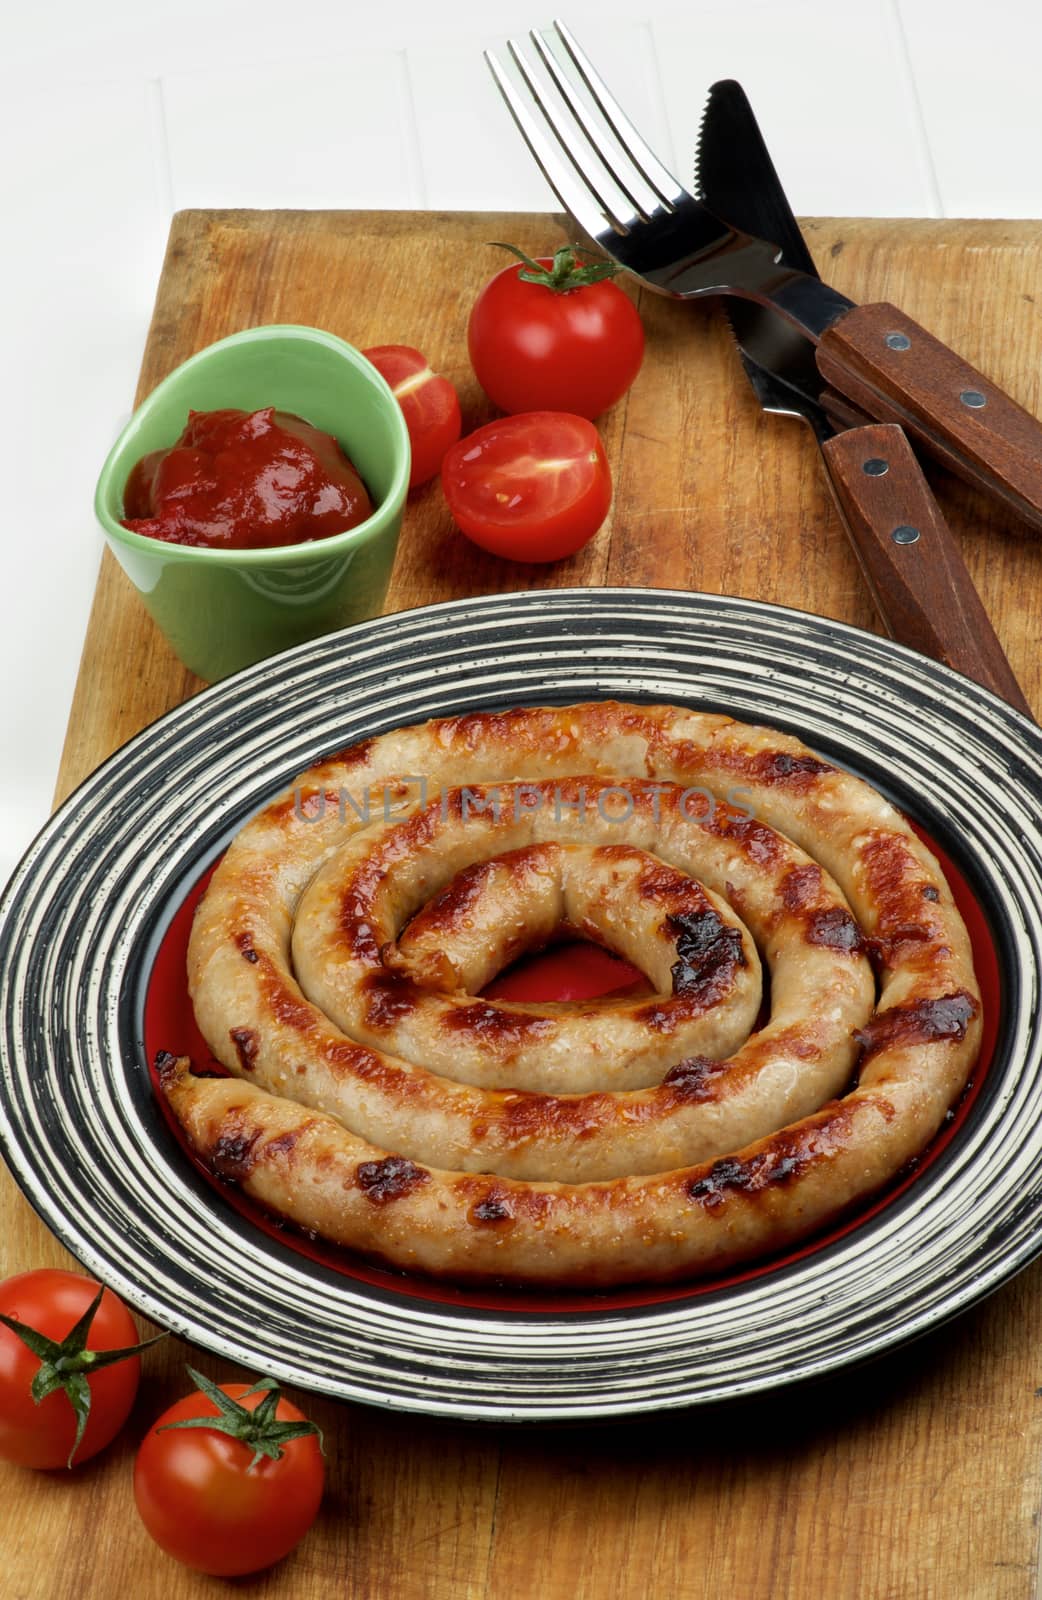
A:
910, 559
895, 371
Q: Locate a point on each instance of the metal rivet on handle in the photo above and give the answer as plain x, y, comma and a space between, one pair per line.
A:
875, 467
973, 398
904, 533
898, 341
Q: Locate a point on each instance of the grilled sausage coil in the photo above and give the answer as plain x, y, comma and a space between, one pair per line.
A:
337, 958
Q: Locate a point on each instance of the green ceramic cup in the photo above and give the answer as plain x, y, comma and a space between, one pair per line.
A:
223, 609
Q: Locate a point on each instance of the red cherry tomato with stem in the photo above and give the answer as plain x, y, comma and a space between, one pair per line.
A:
69, 1367
430, 405
555, 335
533, 487
229, 1479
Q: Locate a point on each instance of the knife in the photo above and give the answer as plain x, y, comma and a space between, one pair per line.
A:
885, 363
906, 551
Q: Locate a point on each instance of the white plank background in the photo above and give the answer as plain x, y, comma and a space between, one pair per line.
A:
113, 115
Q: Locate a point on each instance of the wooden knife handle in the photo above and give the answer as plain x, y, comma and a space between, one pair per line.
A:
913, 565
841, 412
897, 372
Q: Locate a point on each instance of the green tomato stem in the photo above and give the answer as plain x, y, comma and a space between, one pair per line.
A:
568, 270
259, 1430
63, 1362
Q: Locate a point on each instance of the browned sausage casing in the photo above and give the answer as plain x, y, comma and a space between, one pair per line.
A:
336, 959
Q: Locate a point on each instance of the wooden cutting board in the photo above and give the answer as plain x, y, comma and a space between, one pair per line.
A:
919, 1477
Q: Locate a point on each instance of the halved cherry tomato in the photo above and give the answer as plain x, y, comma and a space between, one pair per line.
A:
533, 487
430, 405
51, 1302
215, 1501
571, 341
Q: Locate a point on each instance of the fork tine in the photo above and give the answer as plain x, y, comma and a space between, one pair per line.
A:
613, 186
658, 177
642, 207
594, 170
579, 199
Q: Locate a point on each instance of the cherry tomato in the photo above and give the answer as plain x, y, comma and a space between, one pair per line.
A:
210, 1504
430, 405
533, 487
51, 1302
562, 344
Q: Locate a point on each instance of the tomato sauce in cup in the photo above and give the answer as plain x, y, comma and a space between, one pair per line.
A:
245, 480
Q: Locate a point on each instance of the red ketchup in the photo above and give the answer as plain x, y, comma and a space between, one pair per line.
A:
241, 480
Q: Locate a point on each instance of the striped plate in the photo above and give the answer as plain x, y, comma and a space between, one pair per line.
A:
85, 913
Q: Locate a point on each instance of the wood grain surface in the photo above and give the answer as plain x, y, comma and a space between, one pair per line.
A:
919, 1478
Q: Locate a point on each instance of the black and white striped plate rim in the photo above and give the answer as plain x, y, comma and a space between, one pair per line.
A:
82, 1134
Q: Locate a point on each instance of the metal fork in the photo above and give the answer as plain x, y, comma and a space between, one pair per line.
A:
619, 194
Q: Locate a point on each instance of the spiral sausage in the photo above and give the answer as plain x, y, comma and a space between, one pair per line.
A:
335, 964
